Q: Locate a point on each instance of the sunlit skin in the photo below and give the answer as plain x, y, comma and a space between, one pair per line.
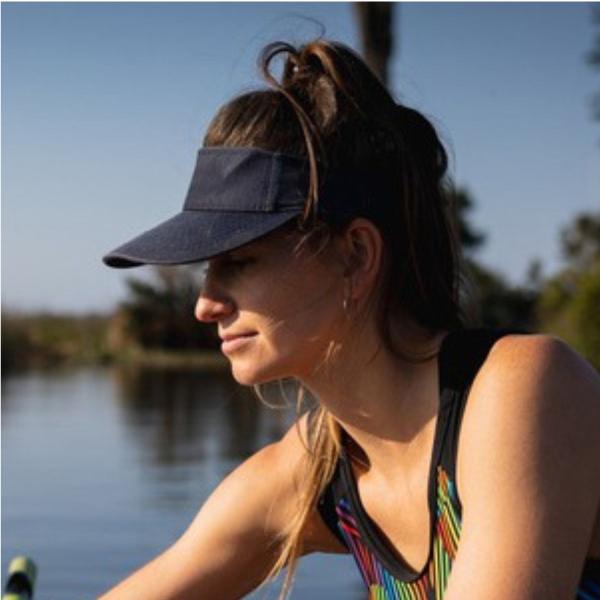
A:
294, 304
290, 300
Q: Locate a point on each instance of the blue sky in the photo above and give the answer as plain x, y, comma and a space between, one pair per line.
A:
105, 104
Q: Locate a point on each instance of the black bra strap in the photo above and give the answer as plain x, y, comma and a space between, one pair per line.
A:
326, 507
465, 352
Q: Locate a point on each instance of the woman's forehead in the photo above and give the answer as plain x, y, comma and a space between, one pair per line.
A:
275, 240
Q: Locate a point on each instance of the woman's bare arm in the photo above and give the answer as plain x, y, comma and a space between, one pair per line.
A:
528, 473
229, 548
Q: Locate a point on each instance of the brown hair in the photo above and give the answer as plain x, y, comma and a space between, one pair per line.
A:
330, 108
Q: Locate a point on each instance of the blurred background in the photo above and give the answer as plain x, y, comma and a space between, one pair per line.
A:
119, 417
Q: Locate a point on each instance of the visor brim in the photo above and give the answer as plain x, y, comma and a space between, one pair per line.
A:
193, 236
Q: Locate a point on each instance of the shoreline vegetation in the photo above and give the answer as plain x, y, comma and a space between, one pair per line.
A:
48, 340
155, 325
157, 329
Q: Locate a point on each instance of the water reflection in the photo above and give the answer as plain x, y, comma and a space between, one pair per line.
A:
104, 468
182, 415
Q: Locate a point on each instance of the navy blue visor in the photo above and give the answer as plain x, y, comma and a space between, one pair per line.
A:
238, 195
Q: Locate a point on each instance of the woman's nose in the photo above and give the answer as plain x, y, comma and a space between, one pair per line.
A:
210, 309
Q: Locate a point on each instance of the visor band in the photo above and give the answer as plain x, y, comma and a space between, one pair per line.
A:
247, 180
237, 195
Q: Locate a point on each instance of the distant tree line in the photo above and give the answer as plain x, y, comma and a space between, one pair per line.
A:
568, 303
159, 314
49, 340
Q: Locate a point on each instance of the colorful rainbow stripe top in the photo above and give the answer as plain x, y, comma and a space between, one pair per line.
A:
384, 575
431, 583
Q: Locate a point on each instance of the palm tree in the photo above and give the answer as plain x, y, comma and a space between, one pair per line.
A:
375, 23
594, 59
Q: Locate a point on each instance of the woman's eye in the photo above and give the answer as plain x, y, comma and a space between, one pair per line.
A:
229, 267
235, 266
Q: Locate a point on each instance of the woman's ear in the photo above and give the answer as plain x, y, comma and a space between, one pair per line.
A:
361, 250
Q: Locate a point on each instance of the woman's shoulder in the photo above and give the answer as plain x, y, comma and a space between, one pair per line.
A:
535, 397
534, 375
528, 467
491, 358
528, 364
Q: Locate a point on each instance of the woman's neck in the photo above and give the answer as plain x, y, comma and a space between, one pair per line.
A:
386, 404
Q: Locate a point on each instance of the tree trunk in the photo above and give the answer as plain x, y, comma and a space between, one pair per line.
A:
375, 24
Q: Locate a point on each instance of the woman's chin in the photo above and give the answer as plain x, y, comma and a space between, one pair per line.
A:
263, 366
248, 375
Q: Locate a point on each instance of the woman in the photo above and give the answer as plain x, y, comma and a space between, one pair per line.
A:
452, 462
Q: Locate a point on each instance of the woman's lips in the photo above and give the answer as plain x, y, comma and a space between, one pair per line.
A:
232, 343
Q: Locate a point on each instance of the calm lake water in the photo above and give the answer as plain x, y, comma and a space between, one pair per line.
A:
104, 468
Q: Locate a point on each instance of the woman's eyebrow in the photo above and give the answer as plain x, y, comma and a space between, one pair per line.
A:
228, 255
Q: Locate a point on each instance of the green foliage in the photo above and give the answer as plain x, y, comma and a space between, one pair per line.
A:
16, 343
500, 304
586, 314
569, 303
580, 241
569, 307
553, 307
159, 314
493, 302
461, 200
49, 339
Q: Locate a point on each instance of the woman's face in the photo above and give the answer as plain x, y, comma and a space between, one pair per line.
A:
277, 310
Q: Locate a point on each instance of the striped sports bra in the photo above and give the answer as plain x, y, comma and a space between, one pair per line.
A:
386, 577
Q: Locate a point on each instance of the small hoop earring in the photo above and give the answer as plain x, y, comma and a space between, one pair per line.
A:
347, 302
